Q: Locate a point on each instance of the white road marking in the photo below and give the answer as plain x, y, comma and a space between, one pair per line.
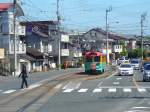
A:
82, 90
8, 91
99, 84
33, 86
68, 90
119, 78
97, 90
58, 86
127, 90
116, 83
1, 90
141, 90
67, 85
78, 85
112, 75
112, 90
140, 107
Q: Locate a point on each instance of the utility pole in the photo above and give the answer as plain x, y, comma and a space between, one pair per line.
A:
107, 44
59, 36
142, 31
14, 24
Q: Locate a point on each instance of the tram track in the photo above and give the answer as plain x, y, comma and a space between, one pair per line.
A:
24, 100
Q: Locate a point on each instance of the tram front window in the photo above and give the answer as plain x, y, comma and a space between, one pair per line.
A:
96, 59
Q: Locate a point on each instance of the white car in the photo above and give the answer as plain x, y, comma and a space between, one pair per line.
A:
136, 64
125, 69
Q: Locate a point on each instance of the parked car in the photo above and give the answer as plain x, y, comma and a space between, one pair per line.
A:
125, 69
135, 63
143, 66
146, 72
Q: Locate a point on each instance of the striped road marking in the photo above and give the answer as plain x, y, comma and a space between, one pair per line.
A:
112, 90
127, 90
116, 83
9, 91
82, 90
68, 90
141, 90
97, 90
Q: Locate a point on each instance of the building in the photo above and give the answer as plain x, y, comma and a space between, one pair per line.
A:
96, 39
7, 33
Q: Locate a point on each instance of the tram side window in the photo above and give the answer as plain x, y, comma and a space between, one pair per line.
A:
103, 59
96, 59
88, 59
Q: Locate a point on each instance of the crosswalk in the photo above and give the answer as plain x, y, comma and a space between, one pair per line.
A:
7, 91
109, 90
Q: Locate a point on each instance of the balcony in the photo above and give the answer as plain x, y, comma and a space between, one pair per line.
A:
64, 52
65, 38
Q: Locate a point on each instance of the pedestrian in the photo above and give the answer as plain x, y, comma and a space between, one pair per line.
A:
24, 76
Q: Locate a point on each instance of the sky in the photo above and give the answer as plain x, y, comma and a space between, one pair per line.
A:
83, 15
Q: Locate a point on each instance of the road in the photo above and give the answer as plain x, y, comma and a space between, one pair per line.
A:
110, 94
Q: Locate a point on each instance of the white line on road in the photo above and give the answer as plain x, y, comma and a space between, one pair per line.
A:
112, 75
140, 107
141, 89
34, 86
127, 90
82, 90
116, 83
99, 84
78, 85
9, 91
97, 90
112, 90
119, 78
67, 85
68, 90
58, 86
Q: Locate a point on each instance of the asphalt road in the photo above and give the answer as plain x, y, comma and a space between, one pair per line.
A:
112, 94
9, 85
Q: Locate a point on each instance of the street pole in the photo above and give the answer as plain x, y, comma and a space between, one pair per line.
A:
59, 36
142, 19
107, 44
15, 54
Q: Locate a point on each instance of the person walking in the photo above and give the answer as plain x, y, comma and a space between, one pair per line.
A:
24, 76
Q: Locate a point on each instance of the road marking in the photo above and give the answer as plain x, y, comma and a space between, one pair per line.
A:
33, 86
112, 90
68, 90
78, 85
67, 85
141, 90
97, 90
9, 91
82, 90
112, 75
119, 78
99, 84
127, 90
58, 86
1, 90
116, 83
140, 107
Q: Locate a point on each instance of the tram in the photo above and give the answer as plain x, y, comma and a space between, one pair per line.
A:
94, 62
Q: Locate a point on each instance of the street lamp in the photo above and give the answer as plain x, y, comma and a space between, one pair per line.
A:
107, 53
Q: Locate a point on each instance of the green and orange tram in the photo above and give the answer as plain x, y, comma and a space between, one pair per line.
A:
94, 62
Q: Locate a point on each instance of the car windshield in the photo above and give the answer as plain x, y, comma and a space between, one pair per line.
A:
147, 67
121, 59
134, 61
125, 66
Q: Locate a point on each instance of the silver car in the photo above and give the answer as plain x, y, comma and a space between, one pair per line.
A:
135, 63
146, 73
